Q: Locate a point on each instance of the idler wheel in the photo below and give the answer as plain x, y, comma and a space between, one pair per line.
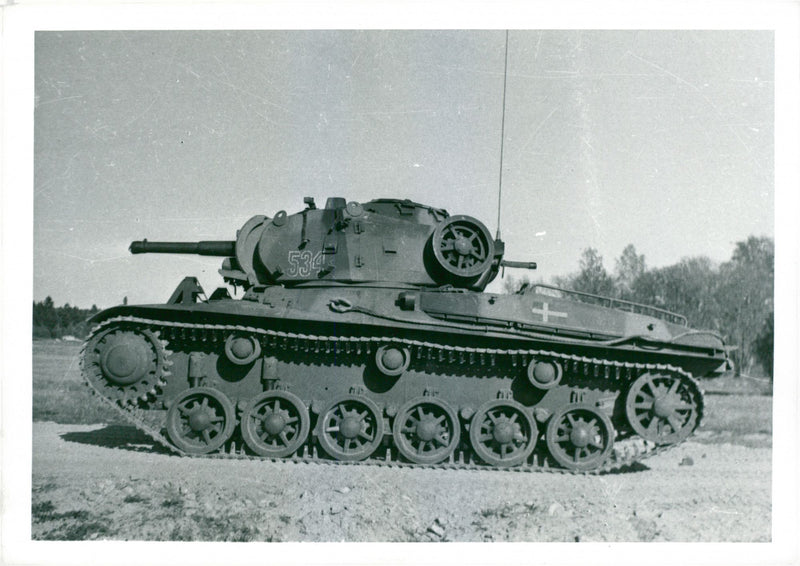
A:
463, 246
392, 360
579, 437
351, 428
663, 408
426, 430
503, 433
544, 374
275, 424
200, 420
125, 363
242, 350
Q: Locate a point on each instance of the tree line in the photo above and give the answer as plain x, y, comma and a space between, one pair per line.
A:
734, 299
50, 321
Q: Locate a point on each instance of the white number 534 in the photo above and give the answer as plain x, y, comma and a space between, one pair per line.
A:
303, 263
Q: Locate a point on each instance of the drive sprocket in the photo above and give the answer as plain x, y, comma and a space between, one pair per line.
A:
125, 364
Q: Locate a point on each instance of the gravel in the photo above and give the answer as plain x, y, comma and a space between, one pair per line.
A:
90, 483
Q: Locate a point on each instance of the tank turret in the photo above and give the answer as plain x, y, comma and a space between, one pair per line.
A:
381, 241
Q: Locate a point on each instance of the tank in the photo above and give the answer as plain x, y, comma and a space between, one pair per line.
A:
364, 333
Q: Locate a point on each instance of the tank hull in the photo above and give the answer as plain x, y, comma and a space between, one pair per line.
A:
374, 311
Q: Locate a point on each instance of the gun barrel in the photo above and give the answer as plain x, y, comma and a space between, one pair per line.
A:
215, 248
521, 264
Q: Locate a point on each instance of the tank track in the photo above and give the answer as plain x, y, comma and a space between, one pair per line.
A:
628, 450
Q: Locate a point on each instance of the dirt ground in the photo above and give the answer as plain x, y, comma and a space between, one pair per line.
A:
108, 482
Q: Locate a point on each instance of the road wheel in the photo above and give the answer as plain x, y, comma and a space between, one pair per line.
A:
200, 420
426, 430
351, 428
579, 437
275, 424
503, 433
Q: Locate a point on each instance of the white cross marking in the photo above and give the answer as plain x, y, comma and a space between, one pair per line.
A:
545, 312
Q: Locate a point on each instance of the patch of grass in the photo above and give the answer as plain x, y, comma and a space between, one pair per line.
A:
174, 501
220, 528
248, 534
67, 525
59, 394
135, 498
43, 487
186, 517
76, 528
65, 404
738, 414
46, 511
745, 420
508, 510
731, 385
42, 511
80, 531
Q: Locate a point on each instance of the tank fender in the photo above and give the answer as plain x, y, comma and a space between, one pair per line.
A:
121, 310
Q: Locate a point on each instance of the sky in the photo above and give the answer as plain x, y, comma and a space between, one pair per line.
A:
662, 139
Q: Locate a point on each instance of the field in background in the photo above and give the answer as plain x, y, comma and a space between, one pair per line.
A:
738, 410
59, 394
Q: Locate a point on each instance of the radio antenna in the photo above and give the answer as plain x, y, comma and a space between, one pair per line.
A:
502, 139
